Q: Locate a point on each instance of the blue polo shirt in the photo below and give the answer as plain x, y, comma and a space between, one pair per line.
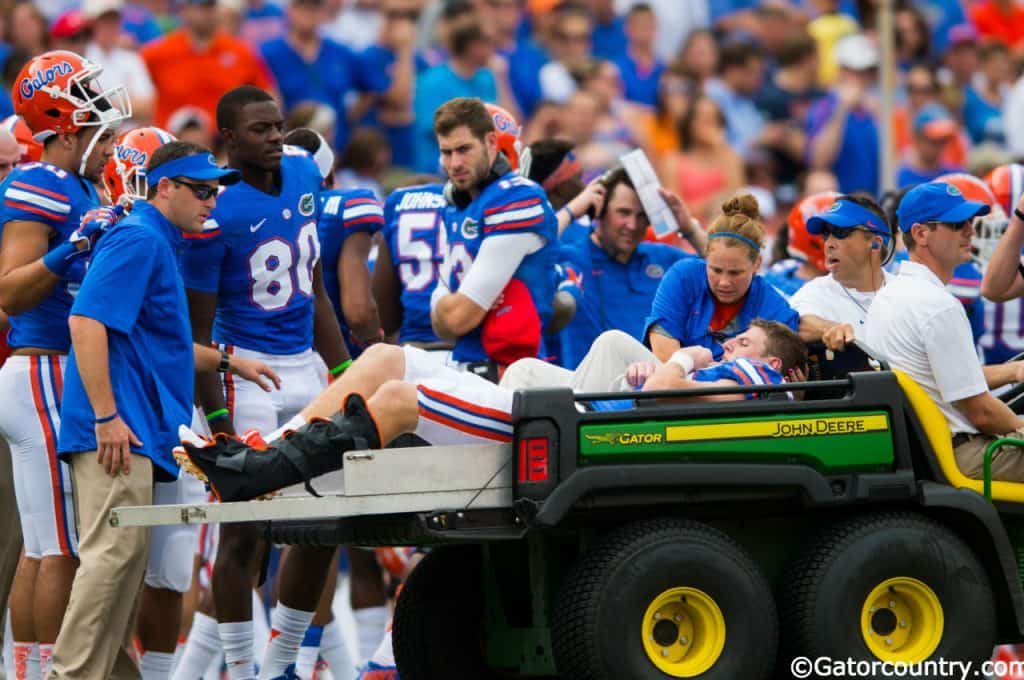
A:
684, 306
609, 40
639, 84
614, 295
856, 165
328, 79
134, 289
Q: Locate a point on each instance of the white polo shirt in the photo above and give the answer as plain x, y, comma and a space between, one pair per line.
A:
828, 299
917, 326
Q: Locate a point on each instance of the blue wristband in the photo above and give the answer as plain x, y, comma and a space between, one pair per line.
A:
100, 421
60, 259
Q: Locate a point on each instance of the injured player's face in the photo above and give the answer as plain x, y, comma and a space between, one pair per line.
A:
750, 344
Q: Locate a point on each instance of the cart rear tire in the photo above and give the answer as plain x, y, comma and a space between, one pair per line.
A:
438, 624
896, 587
665, 599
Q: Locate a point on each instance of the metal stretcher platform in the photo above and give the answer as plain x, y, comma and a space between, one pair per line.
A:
377, 482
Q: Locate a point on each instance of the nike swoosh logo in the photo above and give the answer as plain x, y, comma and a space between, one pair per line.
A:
253, 228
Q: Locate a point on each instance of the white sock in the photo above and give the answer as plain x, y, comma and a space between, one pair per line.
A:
260, 627
45, 660
309, 653
236, 639
35, 668
294, 423
156, 665
287, 628
371, 624
385, 654
178, 651
8, 652
334, 650
202, 645
22, 652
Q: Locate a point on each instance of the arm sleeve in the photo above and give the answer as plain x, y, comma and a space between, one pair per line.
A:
669, 302
951, 354
518, 209
774, 307
359, 211
115, 286
201, 260
38, 196
812, 299
495, 263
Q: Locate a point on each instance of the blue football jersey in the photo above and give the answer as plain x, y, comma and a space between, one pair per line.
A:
344, 212
508, 205
966, 286
742, 371
783, 276
257, 253
40, 192
1003, 338
412, 225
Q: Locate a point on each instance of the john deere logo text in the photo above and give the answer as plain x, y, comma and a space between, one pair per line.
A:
803, 428
29, 86
626, 438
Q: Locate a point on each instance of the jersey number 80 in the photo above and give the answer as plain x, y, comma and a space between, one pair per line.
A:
272, 280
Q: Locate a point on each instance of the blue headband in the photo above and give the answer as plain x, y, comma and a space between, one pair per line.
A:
200, 166
738, 237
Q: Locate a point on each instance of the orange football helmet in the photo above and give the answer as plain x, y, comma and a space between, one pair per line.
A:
124, 175
1007, 184
987, 228
508, 131
31, 150
58, 93
803, 245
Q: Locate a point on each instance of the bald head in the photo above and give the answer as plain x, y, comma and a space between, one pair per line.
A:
10, 152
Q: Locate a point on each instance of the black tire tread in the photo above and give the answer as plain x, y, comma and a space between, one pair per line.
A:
574, 636
801, 583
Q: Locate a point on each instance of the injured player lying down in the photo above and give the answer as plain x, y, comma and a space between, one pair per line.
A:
392, 390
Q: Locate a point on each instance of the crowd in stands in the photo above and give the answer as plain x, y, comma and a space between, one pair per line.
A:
761, 118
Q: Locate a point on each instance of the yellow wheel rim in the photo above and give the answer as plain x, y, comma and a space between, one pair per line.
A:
683, 632
902, 620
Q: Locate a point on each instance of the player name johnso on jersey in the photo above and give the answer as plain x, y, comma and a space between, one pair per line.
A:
419, 200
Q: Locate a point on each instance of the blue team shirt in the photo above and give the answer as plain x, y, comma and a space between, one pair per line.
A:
344, 212
133, 287
783, 277
640, 85
966, 286
413, 218
40, 192
258, 253
740, 371
856, 164
509, 205
614, 295
684, 306
336, 72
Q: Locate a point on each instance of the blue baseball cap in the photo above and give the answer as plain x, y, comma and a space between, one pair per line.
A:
936, 202
846, 214
201, 166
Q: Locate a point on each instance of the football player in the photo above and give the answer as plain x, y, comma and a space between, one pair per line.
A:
255, 288
499, 229
58, 97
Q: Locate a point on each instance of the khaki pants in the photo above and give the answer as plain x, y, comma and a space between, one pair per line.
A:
1007, 461
107, 584
602, 370
10, 530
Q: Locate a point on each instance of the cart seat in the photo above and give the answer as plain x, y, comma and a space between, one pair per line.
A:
936, 429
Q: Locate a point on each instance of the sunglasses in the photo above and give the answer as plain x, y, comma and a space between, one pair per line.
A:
839, 232
203, 192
